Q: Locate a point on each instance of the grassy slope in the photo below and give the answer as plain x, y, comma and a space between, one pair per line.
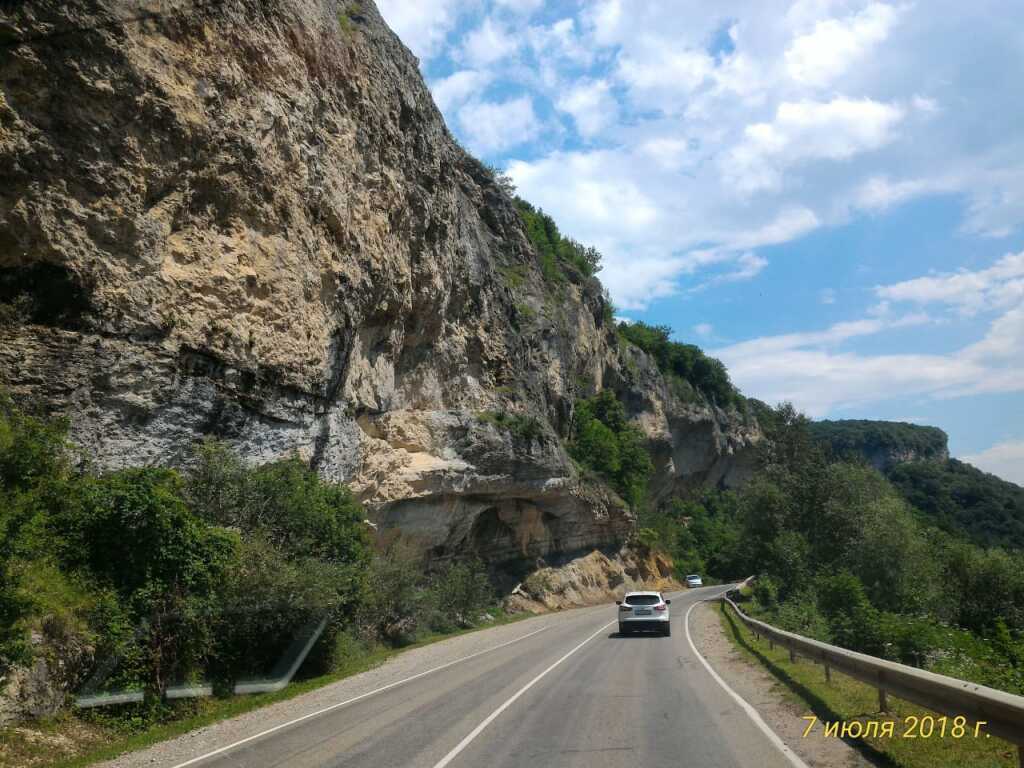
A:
847, 699
87, 742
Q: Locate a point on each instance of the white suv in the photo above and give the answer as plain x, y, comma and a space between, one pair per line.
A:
644, 610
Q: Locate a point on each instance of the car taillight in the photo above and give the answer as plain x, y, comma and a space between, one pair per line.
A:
623, 607
660, 607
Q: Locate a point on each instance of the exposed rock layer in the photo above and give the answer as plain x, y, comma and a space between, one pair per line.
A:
593, 579
247, 219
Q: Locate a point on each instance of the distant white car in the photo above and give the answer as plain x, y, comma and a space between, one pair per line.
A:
640, 611
694, 580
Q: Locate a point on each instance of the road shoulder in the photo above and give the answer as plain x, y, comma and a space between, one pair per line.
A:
780, 710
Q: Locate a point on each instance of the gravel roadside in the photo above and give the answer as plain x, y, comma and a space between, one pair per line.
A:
203, 740
767, 695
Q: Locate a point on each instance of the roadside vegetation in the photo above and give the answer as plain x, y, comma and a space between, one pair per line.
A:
840, 556
164, 578
846, 700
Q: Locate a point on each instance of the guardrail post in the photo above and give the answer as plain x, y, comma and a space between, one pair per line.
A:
771, 644
792, 656
828, 674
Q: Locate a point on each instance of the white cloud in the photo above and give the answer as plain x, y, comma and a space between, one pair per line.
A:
496, 126
999, 286
488, 43
820, 56
423, 25
455, 89
1004, 459
788, 224
827, 296
833, 130
661, 67
824, 111
703, 329
813, 369
879, 193
639, 281
668, 152
748, 266
591, 105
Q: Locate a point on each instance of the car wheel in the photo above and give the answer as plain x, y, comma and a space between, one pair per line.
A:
666, 630
623, 630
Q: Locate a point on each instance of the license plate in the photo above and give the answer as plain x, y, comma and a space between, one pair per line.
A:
642, 611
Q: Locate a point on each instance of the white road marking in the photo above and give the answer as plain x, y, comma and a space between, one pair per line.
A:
493, 716
793, 758
353, 700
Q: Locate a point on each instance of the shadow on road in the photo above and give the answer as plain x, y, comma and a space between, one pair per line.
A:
637, 636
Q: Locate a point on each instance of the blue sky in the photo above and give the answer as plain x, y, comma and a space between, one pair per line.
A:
826, 194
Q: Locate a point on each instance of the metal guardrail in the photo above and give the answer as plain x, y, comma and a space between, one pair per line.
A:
1002, 713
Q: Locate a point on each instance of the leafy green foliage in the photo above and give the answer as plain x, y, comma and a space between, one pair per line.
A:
555, 251
849, 438
950, 494
960, 498
842, 557
683, 361
605, 442
209, 573
404, 599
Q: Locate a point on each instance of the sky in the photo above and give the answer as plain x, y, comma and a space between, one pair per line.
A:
828, 195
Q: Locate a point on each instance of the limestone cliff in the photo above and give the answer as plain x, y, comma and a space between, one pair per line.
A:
247, 219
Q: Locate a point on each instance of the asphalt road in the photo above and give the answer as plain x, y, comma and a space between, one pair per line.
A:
572, 694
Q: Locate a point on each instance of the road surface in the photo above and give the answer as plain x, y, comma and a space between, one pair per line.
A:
564, 691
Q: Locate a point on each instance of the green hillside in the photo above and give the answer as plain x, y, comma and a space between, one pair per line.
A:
950, 494
960, 498
880, 438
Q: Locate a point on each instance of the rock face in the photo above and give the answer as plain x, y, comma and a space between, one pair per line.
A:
248, 220
593, 579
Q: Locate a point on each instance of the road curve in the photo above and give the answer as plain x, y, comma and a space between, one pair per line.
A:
573, 694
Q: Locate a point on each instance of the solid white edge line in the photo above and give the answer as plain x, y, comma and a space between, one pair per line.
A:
354, 699
494, 715
792, 756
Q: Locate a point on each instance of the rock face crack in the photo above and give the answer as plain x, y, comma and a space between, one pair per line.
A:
247, 219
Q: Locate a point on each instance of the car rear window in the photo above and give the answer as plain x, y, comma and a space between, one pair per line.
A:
693, 576
643, 600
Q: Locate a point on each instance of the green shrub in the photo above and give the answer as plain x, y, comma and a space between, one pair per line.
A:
458, 594
603, 441
557, 253
393, 607
684, 361
766, 592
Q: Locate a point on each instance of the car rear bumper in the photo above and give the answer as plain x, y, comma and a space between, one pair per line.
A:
648, 623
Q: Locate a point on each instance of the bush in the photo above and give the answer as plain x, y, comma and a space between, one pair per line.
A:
556, 253
766, 592
393, 607
132, 531
604, 441
457, 594
685, 361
